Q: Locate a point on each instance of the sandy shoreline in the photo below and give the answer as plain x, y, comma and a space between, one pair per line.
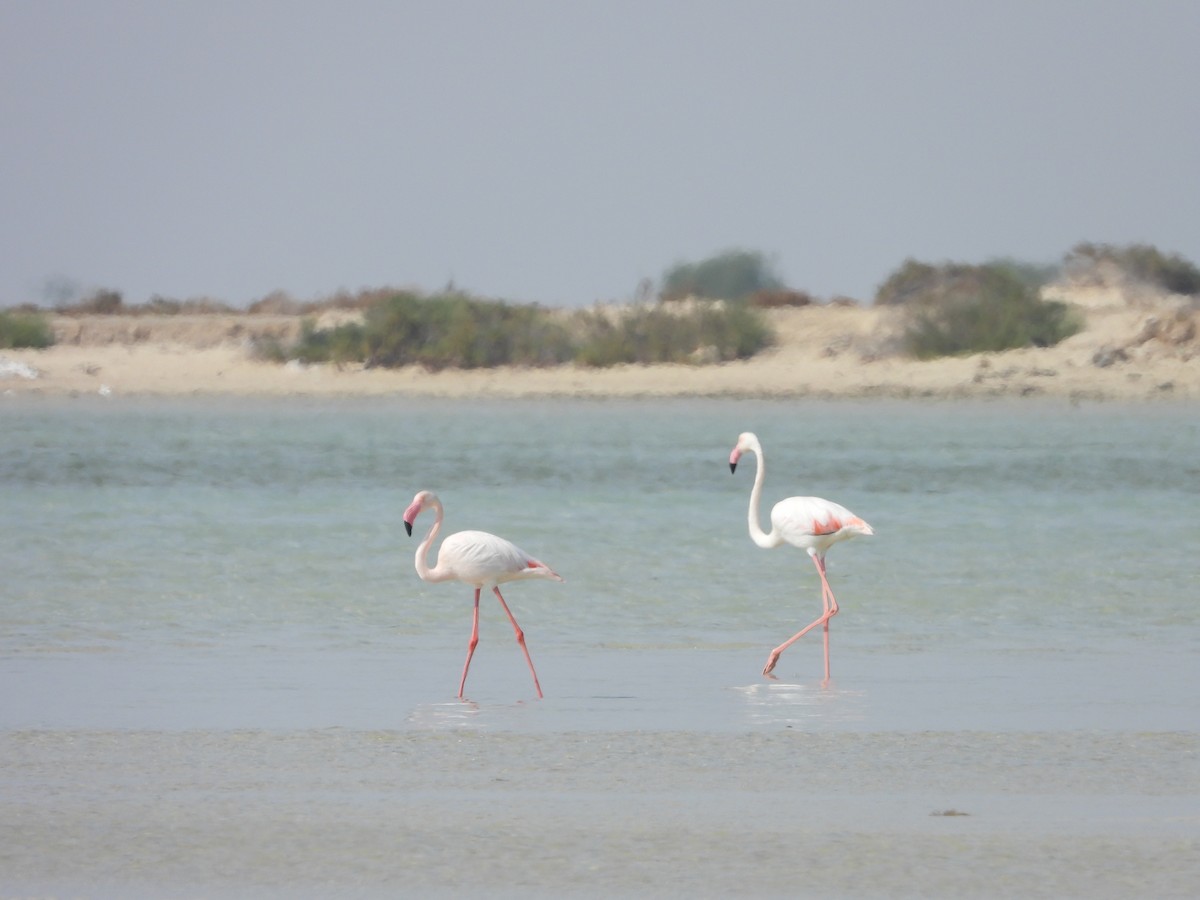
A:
1128, 351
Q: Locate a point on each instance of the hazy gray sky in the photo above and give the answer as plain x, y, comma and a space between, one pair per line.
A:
559, 152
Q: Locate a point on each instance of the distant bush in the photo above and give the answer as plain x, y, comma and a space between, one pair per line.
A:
955, 309
337, 345
1032, 275
165, 306
277, 303
459, 331
704, 332
913, 279
24, 329
732, 275
916, 280
1139, 262
101, 302
105, 302
281, 303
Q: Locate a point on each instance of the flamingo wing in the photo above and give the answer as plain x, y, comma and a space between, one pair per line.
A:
809, 521
481, 558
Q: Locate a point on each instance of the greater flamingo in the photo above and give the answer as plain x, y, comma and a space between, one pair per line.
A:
810, 523
476, 558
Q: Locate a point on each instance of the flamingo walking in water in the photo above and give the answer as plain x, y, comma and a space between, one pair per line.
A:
810, 523
476, 558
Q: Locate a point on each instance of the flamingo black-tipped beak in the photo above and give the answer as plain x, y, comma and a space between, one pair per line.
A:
733, 467
408, 528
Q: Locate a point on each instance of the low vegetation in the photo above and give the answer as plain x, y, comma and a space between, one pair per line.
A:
698, 312
455, 330
21, 329
697, 333
956, 309
953, 309
731, 275
458, 331
1137, 262
105, 302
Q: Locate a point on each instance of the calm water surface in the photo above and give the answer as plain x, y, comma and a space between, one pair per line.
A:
220, 673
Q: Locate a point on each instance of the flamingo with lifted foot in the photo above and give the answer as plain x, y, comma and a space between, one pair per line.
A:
810, 523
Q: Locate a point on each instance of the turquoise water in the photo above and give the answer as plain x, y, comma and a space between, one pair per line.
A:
185, 578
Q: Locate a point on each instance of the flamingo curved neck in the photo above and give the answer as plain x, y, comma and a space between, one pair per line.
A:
760, 537
424, 571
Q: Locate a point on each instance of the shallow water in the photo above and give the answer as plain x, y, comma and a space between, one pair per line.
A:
221, 674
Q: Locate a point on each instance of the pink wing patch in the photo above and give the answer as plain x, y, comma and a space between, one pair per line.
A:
833, 524
829, 526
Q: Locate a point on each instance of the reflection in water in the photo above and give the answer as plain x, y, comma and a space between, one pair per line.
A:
446, 716
776, 703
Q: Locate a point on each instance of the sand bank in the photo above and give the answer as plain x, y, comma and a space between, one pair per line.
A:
1128, 351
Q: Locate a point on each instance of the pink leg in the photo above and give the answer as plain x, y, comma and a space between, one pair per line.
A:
470, 644
825, 683
520, 639
831, 610
831, 606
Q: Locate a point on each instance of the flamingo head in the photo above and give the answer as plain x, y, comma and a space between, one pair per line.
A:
422, 501
746, 442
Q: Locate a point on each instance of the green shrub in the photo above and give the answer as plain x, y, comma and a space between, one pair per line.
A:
913, 279
24, 329
735, 330
342, 344
1140, 262
957, 309
635, 335
732, 275
1032, 275
459, 331
705, 332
